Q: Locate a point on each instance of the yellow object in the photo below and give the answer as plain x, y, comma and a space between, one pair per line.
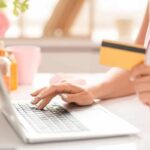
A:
5, 65
6, 80
2, 51
8, 68
13, 70
121, 55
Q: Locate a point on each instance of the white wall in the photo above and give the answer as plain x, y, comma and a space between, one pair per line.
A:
66, 55
71, 61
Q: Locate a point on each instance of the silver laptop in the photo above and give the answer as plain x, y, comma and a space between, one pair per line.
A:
60, 122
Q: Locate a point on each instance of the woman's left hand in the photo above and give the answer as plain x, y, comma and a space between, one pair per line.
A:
140, 75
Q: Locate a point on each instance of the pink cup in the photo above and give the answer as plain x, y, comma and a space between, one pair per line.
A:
28, 59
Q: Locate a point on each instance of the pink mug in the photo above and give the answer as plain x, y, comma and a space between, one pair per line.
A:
28, 60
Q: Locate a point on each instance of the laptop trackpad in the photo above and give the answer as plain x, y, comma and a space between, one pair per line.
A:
99, 119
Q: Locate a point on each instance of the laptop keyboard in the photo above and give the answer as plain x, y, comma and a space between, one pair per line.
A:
52, 119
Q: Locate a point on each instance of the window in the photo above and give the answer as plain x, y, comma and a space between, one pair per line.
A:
92, 19
31, 23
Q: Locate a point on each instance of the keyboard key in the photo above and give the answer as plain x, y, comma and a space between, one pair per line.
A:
52, 119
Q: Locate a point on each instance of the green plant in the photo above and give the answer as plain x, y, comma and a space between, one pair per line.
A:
19, 6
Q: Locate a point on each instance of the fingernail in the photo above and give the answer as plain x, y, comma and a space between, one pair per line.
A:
33, 101
39, 107
65, 96
31, 94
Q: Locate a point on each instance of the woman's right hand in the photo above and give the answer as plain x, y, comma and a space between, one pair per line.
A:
69, 92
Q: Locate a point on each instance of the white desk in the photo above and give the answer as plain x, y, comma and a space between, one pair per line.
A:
129, 108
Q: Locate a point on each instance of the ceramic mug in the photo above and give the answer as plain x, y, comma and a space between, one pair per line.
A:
28, 60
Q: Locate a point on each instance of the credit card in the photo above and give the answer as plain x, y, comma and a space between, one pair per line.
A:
116, 54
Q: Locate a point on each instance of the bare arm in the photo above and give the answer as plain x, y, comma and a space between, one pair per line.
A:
116, 84
143, 29
118, 81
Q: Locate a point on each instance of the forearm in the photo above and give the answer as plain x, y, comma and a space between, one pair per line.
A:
116, 84
117, 81
144, 27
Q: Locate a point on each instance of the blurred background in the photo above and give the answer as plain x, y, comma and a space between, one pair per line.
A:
70, 31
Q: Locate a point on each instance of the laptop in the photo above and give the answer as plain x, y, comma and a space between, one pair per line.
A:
60, 122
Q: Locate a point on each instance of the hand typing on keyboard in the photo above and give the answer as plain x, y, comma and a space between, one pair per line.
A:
70, 93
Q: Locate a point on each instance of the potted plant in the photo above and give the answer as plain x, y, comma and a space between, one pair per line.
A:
19, 6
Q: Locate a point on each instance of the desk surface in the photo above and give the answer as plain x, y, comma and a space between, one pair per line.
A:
129, 108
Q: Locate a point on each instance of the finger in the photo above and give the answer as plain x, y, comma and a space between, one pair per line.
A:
72, 98
59, 89
35, 101
67, 98
46, 93
43, 103
142, 87
37, 98
140, 70
142, 79
137, 65
144, 97
80, 99
35, 93
64, 97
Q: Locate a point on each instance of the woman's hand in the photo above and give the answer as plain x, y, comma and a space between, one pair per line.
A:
140, 75
70, 93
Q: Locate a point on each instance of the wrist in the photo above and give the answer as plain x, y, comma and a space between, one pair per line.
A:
99, 91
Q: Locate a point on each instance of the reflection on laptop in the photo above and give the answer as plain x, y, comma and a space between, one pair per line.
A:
58, 122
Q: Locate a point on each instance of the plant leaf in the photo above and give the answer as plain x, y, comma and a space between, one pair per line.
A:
3, 4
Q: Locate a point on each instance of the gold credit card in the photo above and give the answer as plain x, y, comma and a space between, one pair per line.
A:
121, 55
